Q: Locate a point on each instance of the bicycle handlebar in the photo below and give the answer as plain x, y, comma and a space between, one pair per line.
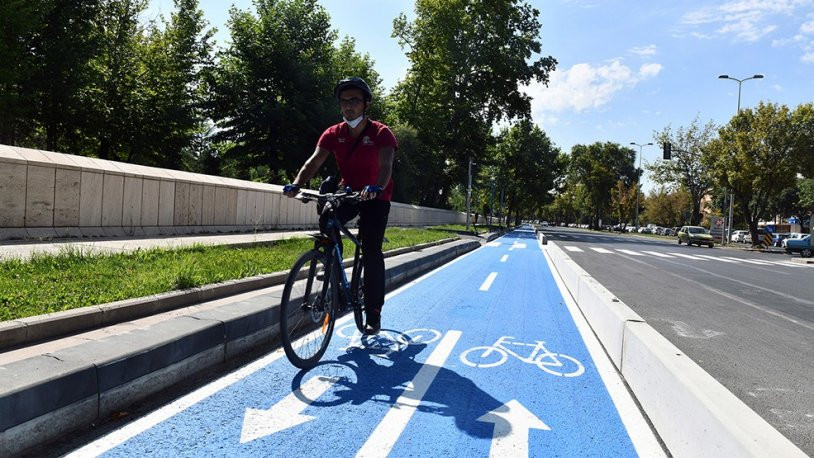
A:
307, 196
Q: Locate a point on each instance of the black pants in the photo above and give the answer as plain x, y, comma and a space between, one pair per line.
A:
372, 223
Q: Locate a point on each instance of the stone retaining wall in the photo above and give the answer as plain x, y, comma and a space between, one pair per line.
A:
45, 194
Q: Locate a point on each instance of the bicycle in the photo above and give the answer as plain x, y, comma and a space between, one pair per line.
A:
317, 289
554, 363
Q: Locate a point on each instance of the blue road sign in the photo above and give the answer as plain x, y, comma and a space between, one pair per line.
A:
482, 357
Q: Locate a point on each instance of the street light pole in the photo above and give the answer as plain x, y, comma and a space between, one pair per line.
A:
756, 76
638, 179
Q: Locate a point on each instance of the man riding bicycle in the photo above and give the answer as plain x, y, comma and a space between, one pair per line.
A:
364, 151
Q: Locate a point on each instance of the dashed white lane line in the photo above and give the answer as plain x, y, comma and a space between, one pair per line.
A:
493, 244
384, 437
632, 253
688, 256
657, 254
601, 250
749, 261
573, 248
488, 282
504, 258
716, 259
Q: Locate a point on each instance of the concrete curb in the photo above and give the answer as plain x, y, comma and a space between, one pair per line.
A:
47, 396
25, 331
692, 412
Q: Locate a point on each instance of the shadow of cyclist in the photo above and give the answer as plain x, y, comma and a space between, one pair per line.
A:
383, 376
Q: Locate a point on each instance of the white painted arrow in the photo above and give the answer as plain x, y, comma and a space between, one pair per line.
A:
512, 424
259, 423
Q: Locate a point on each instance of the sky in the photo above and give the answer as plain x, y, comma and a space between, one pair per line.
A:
626, 69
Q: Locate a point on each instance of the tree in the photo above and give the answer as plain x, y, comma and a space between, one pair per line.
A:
667, 208
272, 90
469, 59
528, 166
686, 169
61, 54
623, 201
20, 22
755, 157
175, 60
598, 167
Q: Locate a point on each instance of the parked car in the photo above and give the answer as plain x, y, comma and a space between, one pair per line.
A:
778, 238
801, 245
695, 235
792, 236
738, 236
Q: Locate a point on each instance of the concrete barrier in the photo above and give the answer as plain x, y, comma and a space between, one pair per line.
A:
48, 195
691, 411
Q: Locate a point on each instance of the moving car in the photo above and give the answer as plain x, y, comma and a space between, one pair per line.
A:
695, 235
801, 245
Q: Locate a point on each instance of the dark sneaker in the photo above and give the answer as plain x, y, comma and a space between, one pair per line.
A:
374, 323
372, 329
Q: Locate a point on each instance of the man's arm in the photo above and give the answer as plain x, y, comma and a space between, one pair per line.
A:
386, 155
311, 166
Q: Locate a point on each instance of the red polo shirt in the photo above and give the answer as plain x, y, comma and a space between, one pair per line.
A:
361, 166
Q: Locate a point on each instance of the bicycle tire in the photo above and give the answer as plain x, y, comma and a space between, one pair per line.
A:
580, 369
307, 309
502, 357
357, 288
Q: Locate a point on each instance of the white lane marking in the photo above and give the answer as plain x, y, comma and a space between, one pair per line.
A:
717, 259
688, 256
573, 248
516, 245
150, 420
638, 430
504, 258
493, 244
657, 254
786, 264
565, 236
512, 423
488, 282
600, 250
632, 253
287, 413
384, 437
750, 261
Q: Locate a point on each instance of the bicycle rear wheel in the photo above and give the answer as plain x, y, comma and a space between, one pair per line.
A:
357, 287
307, 309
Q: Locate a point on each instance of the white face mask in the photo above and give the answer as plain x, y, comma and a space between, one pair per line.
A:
353, 122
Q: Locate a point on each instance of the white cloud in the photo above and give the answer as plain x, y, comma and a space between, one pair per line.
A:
807, 58
807, 28
585, 86
744, 20
644, 51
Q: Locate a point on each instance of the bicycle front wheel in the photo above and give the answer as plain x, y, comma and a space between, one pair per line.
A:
307, 310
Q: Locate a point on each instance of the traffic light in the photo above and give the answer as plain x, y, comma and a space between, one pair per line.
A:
668, 150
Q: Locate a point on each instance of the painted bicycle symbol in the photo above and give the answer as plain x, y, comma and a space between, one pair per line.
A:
388, 341
498, 353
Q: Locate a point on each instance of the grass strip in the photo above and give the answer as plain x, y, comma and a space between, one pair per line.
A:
50, 283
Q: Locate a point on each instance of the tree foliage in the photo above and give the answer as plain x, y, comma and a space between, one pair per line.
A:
469, 59
756, 155
686, 170
599, 167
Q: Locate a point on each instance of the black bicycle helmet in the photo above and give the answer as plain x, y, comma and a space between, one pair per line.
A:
354, 82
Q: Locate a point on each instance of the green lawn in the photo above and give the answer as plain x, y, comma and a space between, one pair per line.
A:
52, 283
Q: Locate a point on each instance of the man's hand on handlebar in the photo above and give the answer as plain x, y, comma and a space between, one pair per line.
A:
370, 191
291, 190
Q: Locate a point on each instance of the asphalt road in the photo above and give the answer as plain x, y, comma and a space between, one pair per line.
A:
746, 317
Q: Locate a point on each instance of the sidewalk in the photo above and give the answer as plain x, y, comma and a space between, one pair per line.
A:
51, 386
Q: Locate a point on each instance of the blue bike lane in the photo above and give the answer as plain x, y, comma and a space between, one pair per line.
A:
480, 358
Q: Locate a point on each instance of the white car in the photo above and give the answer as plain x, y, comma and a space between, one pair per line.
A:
739, 236
793, 235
